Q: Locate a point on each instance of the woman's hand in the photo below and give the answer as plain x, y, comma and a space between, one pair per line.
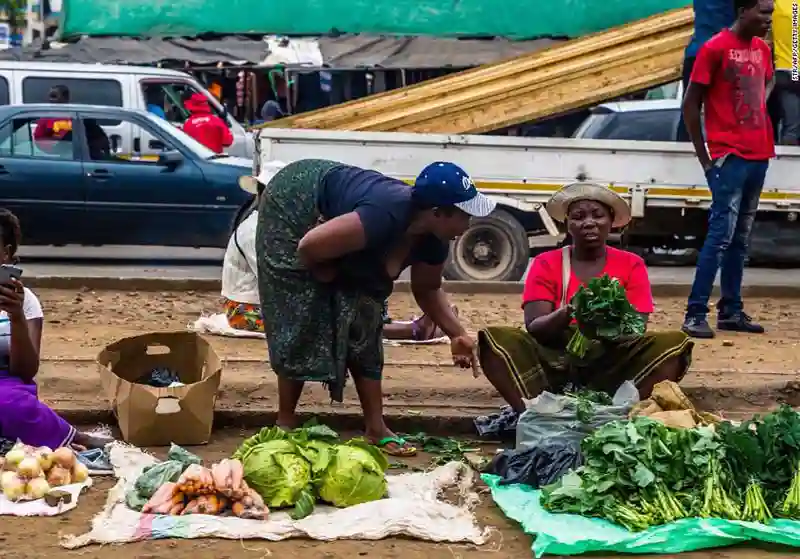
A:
12, 298
463, 350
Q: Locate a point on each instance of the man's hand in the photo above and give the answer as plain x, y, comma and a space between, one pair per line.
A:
464, 354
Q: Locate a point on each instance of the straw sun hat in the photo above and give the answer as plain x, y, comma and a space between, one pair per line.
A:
559, 203
268, 170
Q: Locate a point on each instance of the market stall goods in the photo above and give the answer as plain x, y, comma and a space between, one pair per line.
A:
641, 473
181, 485
300, 467
603, 312
198, 491
29, 473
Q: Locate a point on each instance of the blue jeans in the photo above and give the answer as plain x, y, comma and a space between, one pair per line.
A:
735, 185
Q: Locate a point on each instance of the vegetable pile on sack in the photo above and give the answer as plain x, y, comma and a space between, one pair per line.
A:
30, 472
641, 473
603, 312
215, 491
156, 476
296, 468
182, 486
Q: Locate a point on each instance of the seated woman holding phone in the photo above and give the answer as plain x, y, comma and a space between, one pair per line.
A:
22, 415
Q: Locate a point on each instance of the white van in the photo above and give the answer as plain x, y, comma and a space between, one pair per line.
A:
131, 87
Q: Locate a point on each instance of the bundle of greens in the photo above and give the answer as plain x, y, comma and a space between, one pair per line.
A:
779, 438
585, 401
746, 460
640, 473
296, 468
603, 312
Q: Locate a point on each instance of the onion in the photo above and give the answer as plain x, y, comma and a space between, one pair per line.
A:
64, 457
29, 468
59, 476
6, 477
13, 487
45, 456
15, 456
80, 473
38, 488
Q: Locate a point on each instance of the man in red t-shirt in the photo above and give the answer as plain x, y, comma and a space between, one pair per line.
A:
732, 78
50, 131
204, 126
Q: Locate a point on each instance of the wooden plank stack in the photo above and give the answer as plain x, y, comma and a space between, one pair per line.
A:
576, 74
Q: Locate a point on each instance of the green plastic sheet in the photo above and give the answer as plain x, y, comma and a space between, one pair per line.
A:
567, 534
514, 19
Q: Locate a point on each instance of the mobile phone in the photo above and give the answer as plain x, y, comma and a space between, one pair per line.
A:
9, 272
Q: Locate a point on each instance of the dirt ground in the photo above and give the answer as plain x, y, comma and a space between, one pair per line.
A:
418, 379
742, 371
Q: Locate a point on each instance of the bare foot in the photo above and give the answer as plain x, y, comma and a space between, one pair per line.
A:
427, 330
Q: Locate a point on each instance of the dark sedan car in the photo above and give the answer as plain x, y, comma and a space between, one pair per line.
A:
78, 174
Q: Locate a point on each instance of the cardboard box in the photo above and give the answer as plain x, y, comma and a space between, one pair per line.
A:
150, 416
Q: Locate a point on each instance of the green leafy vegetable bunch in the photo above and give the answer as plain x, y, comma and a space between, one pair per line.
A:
640, 473
603, 312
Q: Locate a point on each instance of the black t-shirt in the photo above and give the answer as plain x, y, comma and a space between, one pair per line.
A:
385, 208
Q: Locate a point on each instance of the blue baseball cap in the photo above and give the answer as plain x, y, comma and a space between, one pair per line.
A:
447, 184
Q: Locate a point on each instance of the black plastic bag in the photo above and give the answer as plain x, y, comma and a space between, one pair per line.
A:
537, 466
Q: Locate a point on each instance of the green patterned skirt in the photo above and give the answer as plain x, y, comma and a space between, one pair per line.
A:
535, 367
315, 331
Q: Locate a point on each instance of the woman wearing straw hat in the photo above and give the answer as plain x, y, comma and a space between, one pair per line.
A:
330, 242
521, 363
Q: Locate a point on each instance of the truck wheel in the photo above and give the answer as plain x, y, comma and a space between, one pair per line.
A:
494, 248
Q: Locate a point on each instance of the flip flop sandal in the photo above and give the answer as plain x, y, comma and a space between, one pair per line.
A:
402, 452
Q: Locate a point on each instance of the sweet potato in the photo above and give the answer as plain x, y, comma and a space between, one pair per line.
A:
163, 495
228, 478
238, 509
163, 508
208, 505
258, 502
196, 480
176, 510
237, 475
191, 507
220, 473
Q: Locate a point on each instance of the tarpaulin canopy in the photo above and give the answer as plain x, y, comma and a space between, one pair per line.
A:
347, 52
513, 19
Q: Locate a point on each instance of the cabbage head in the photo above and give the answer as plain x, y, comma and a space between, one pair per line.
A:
356, 474
277, 471
318, 454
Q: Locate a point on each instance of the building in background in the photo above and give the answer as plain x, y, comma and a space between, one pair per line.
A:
41, 20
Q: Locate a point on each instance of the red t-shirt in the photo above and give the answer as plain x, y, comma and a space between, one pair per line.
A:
544, 278
736, 73
210, 130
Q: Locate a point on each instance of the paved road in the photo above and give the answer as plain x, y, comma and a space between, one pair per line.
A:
164, 262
